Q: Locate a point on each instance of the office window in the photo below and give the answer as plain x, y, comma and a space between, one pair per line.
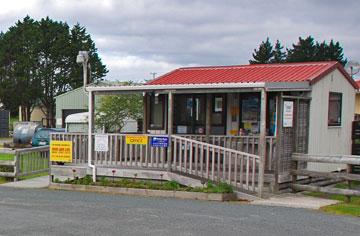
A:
335, 101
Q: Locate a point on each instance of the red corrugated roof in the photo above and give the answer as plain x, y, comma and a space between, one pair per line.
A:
285, 72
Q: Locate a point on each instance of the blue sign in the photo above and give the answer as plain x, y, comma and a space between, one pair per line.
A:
160, 141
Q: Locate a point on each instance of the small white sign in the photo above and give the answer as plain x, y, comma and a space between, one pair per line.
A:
101, 143
288, 114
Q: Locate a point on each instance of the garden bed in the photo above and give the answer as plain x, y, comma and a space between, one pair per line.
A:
210, 192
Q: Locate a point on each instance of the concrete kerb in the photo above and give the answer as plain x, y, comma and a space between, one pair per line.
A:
146, 192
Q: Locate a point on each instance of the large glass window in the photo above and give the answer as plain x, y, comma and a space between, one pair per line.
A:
250, 113
189, 114
334, 116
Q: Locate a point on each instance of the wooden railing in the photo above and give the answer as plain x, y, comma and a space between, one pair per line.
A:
208, 161
120, 154
349, 160
248, 144
213, 162
26, 162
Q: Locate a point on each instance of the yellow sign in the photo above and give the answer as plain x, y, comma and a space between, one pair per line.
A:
137, 139
61, 151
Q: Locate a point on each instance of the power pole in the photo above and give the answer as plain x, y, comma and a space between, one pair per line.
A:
153, 74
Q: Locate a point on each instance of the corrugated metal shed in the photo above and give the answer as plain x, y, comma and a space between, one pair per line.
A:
72, 100
255, 73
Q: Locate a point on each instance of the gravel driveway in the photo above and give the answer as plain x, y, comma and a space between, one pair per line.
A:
46, 212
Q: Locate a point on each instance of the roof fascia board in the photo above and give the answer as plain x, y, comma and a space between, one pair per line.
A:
287, 86
174, 87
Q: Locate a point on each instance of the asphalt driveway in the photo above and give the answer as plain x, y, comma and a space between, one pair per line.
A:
46, 212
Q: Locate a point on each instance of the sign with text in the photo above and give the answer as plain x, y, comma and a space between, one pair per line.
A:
61, 151
137, 139
288, 114
160, 142
101, 143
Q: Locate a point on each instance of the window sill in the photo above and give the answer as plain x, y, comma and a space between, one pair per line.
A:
334, 126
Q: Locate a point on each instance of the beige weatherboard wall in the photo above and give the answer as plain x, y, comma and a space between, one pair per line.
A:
324, 139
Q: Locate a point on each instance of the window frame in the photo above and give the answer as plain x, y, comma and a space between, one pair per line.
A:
337, 124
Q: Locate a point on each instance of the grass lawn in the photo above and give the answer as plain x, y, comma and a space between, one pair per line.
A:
23, 164
351, 208
6, 157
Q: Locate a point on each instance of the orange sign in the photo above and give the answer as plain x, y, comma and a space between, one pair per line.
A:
137, 139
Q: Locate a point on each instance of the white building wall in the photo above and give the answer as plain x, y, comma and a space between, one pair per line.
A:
324, 139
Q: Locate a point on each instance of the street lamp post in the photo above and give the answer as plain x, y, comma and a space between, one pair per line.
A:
83, 58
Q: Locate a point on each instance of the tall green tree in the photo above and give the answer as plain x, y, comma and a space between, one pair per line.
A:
19, 65
303, 50
330, 52
38, 62
114, 110
306, 49
264, 54
279, 55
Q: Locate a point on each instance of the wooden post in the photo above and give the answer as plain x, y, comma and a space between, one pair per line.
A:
145, 113
170, 128
262, 140
348, 171
279, 104
16, 166
208, 116
90, 130
294, 166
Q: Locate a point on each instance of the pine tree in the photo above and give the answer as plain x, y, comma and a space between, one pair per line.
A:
264, 54
304, 50
279, 54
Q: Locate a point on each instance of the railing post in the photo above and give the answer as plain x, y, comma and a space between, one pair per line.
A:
294, 167
16, 166
262, 142
170, 129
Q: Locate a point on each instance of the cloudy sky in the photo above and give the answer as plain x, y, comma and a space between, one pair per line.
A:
137, 37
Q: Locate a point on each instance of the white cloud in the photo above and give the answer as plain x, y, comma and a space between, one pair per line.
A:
136, 68
136, 37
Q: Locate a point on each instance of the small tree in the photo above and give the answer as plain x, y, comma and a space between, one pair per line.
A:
114, 110
264, 54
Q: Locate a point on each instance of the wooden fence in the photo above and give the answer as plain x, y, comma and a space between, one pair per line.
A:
120, 154
26, 162
333, 159
189, 156
248, 144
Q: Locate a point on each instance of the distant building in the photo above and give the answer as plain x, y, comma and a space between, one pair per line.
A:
74, 101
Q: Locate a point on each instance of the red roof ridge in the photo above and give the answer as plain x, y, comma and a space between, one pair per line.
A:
285, 64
